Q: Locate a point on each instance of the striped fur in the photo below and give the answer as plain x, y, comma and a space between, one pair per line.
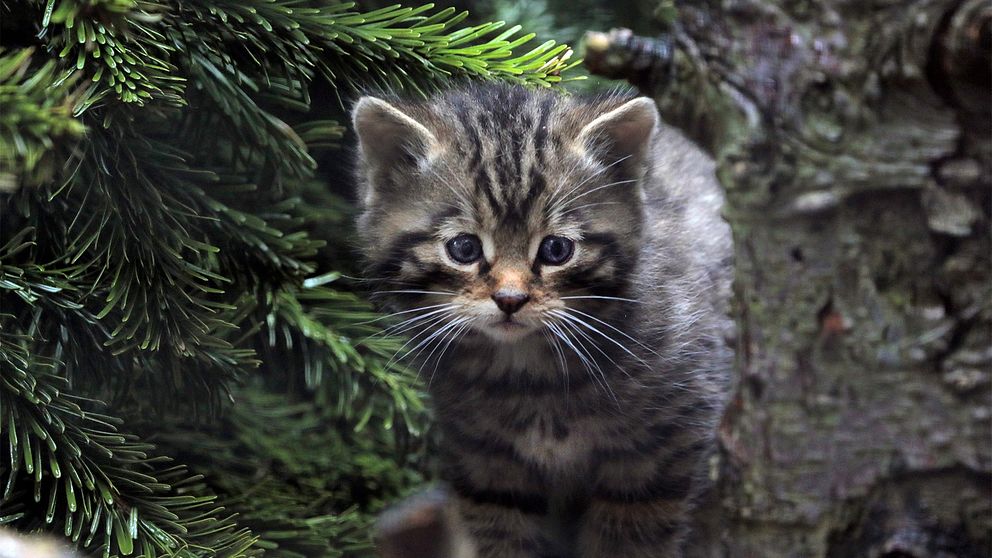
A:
581, 431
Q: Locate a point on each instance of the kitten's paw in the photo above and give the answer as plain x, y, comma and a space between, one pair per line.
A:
19, 545
424, 525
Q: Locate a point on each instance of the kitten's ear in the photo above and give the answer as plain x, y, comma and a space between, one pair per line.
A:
624, 133
387, 135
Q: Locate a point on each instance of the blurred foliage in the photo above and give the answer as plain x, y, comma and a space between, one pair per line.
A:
564, 21
186, 370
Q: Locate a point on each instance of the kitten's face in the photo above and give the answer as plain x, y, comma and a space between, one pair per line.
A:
504, 215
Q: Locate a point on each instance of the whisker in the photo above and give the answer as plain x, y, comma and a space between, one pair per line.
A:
378, 280
579, 322
433, 321
600, 172
439, 335
413, 291
556, 346
563, 204
588, 205
569, 328
562, 333
387, 316
621, 332
596, 346
559, 333
435, 335
621, 299
464, 203
400, 327
437, 362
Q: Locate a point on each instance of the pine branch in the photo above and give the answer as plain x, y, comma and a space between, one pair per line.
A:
336, 340
131, 248
128, 48
319, 502
167, 245
393, 46
121, 46
149, 239
100, 487
35, 119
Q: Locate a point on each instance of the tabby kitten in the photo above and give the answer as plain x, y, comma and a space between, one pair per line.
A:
562, 267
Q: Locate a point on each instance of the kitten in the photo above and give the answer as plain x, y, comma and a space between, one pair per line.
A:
563, 269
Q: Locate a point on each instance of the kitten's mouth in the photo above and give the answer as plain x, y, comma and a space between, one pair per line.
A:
507, 329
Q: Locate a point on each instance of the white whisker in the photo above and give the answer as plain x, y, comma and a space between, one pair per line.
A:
394, 314
621, 332
409, 323
588, 362
556, 346
588, 205
412, 291
599, 172
600, 297
578, 322
454, 336
434, 335
596, 346
565, 204
431, 322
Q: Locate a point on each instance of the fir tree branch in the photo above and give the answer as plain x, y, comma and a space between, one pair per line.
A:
317, 502
35, 120
167, 245
328, 336
144, 266
100, 487
119, 43
129, 47
390, 47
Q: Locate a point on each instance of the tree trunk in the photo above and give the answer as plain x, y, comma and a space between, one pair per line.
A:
853, 139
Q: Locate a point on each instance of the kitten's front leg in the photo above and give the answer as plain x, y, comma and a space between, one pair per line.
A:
652, 529
500, 498
501, 531
640, 505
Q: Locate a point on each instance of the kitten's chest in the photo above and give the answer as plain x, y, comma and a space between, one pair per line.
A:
554, 441
520, 399
547, 431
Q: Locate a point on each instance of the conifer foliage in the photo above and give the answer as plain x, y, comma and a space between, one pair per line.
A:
187, 369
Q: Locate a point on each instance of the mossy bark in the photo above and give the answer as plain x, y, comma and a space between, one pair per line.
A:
853, 139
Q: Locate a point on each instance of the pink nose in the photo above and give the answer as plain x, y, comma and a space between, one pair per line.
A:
510, 301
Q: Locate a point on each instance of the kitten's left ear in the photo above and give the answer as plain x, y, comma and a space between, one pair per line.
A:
624, 133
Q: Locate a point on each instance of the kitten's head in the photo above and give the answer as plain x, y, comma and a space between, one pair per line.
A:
493, 210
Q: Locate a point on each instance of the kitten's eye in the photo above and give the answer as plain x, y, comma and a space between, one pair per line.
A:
555, 250
464, 248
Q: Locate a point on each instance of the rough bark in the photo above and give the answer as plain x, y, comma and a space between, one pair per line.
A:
853, 139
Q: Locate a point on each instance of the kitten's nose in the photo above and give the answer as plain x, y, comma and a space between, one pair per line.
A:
510, 301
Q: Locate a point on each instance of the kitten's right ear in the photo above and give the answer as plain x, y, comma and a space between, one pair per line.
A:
387, 135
